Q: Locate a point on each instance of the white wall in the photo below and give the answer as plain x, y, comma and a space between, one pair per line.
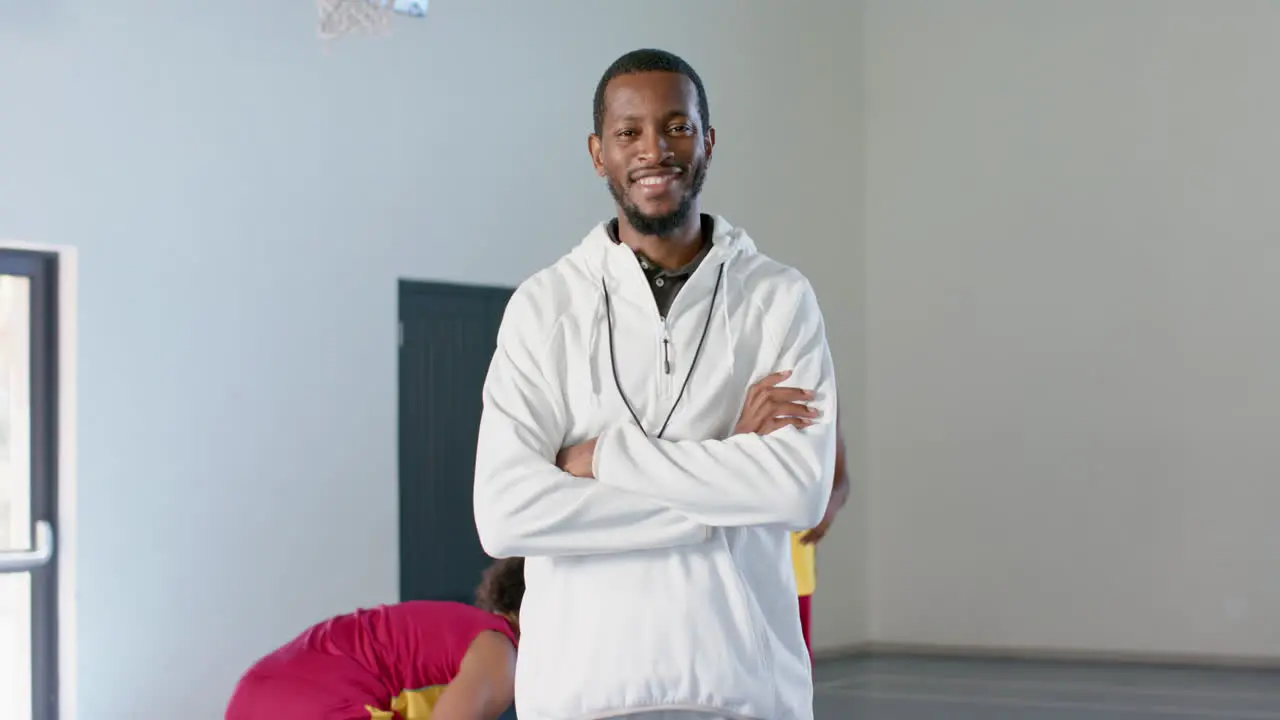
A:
243, 205
833, 176
1074, 279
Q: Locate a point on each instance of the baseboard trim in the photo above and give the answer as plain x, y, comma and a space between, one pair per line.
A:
1101, 657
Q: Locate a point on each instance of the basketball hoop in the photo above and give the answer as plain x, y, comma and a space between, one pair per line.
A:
367, 17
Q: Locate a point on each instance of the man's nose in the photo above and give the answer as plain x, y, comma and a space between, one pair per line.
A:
655, 149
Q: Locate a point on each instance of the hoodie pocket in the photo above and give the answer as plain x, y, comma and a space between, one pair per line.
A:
641, 630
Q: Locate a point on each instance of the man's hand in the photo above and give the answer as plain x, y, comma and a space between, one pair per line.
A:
577, 460
769, 407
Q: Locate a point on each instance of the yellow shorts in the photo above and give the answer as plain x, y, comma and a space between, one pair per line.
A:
805, 562
410, 705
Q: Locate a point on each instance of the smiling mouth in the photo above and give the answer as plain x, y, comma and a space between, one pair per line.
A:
659, 181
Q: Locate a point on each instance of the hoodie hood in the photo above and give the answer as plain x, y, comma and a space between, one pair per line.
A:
594, 255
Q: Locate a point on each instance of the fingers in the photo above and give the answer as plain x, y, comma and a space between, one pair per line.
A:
777, 423
786, 412
780, 400
756, 393
766, 387
789, 407
814, 536
769, 408
788, 394
770, 380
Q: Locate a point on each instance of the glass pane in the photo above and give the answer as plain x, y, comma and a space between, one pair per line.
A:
15, 494
15, 413
15, 646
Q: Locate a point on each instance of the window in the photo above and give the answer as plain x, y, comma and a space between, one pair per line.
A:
28, 483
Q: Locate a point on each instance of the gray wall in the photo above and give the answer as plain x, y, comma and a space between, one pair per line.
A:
243, 203
1073, 346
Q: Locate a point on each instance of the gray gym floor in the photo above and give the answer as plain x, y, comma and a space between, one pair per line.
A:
901, 688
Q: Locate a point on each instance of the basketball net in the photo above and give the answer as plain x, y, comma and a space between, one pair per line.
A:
365, 17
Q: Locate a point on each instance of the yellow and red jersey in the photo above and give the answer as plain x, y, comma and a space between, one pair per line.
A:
391, 661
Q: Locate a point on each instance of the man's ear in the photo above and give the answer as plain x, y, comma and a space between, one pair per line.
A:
709, 142
595, 147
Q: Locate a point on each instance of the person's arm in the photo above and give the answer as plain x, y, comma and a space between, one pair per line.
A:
839, 496
840, 489
783, 477
484, 687
526, 506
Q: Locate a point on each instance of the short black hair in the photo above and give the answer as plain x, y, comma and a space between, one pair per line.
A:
650, 60
502, 587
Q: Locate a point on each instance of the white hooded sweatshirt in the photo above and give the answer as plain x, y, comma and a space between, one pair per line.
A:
665, 583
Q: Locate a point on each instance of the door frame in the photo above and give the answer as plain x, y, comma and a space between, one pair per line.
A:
42, 270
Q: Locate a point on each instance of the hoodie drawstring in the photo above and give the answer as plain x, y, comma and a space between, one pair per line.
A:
593, 345
693, 364
724, 313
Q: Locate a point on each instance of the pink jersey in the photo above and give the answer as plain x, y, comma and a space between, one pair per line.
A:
365, 664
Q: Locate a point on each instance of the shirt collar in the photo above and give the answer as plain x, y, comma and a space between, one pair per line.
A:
656, 270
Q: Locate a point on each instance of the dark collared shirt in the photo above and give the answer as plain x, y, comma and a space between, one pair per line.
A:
664, 283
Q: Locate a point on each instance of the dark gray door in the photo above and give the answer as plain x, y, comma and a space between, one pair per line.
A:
448, 337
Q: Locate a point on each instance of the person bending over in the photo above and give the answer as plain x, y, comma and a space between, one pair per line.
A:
414, 660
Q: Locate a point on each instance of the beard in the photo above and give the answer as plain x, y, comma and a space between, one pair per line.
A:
660, 225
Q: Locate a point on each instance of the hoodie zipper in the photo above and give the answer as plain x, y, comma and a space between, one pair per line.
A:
665, 364
666, 348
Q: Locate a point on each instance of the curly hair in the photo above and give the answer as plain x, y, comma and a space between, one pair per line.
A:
502, 587
649, 60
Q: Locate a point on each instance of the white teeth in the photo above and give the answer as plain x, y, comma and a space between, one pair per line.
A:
654, 180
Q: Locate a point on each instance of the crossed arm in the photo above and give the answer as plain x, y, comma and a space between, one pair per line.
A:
641, 492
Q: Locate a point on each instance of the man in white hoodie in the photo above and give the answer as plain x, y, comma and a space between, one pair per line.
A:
658, 415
